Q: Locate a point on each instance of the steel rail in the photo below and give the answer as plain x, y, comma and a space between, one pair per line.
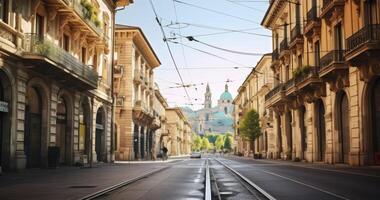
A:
249, 182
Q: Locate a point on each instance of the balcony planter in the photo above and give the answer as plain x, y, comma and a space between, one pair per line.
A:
301, 71
90, 12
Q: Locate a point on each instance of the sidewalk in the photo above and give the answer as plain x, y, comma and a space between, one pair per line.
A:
373, 171
68, 182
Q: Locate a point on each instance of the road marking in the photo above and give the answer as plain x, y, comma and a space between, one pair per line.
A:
307, 185
316, 168
208, 182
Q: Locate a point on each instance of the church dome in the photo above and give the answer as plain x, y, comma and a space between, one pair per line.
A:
226, 96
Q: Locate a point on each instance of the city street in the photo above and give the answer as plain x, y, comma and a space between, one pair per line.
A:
186, 179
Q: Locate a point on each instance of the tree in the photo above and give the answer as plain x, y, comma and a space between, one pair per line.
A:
205, 144
250, 126
228, 142
197, 142
219, 142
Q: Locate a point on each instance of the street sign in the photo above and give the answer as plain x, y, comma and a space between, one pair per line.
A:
4, 106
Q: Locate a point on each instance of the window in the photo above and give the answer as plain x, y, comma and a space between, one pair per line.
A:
317, 54
338, 37
299, 61
84, 55
207, 117
40, 26
66, 42
225, 110
4, 6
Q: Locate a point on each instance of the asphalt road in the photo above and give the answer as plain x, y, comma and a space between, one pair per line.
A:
285, 181
184, 180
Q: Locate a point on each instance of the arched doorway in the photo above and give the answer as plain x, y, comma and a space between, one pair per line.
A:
33, 128
142, 143
279, 135
100, 135
64, 136
84, 129
321, 131
5, 122
289, 134
136, 141
375, 136
344, 127
302, 116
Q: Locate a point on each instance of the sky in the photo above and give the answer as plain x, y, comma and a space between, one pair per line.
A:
212, 23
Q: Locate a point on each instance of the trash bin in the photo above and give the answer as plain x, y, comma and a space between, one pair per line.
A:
53, 157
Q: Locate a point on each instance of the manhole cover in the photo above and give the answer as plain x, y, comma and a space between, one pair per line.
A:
83, 186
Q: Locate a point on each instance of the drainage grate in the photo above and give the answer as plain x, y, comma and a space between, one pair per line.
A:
82, 186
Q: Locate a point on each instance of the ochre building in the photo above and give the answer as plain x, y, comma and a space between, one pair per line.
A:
326, 95
55, 81
136, 120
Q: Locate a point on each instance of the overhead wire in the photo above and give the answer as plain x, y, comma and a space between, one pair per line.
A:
216, 11
243, 5
169, 49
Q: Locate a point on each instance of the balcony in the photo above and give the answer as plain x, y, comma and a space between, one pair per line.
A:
275, 96
8, 37
142, 113
296, 38
332, 64
156, 123
290, 88
308, 79
363, 45
332, 8
137, 79
85, 13
313, 23
284, 48
49, 59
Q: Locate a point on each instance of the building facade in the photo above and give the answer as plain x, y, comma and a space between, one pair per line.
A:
179, 137
55, 69
326, 102
251, 95
161, 134
134, 89
217, 119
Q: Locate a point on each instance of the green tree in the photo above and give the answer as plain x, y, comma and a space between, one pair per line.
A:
211, 137
219, 142
228, 142
205, 144
197, 142
250, 126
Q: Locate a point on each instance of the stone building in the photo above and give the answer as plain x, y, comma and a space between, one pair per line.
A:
251, 95
55, 78
326, 102
179, 139
217, 119
134, 89
161, 134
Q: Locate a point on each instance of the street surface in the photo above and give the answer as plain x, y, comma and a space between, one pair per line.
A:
185, 179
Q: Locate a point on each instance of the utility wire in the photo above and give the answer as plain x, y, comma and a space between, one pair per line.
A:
243, 5
216, 11
170, 51
190, 38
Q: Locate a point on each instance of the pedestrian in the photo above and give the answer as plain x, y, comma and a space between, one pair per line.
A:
165, 151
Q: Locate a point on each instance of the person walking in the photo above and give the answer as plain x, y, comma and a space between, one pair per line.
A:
164, 151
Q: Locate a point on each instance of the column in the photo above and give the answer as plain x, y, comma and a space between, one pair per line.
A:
53, 115
20, 116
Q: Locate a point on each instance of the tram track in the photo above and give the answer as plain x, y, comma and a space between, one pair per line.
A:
230, 184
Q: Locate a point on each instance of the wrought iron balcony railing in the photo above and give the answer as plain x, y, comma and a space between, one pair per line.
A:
311, 72
289, 84
274, 91
275, 55
369, 33
333, 56
312, 14
295, 32
37, 45
284, 45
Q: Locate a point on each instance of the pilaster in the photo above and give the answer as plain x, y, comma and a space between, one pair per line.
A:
21, 80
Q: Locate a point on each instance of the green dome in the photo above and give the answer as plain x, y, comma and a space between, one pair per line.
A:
226, 96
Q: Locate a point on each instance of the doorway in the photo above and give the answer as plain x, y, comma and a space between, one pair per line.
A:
100, 135
321, 131
302, 116
344, 128
33, 128
375, 139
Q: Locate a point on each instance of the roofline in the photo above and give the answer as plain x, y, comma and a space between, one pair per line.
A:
266, 14
127, 27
